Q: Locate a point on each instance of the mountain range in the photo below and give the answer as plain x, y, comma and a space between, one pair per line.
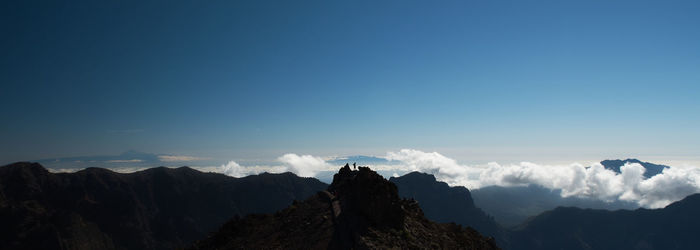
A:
442, 203
512, 206
166, 208
672, 227
158, 208
359, 210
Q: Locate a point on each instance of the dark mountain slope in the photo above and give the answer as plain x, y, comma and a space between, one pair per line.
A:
443, 203
673, 227
360, 210
511, 206
158, 208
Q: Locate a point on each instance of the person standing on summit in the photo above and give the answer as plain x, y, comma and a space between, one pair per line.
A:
354, 166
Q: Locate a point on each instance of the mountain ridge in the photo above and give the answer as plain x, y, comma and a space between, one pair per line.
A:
445, 204
359, 210
157, 208
671, 227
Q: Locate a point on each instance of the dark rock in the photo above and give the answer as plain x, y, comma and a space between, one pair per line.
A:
158, 208
442, 203
360, 210
673, 227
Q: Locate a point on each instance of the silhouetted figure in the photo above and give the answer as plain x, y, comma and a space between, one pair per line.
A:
354, 165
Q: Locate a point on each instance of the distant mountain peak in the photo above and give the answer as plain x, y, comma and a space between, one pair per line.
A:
651, 169
417, 176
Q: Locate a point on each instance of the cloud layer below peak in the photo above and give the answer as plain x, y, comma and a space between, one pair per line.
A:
301, 165
591, 181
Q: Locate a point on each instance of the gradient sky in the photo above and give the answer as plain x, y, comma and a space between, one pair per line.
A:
475, 80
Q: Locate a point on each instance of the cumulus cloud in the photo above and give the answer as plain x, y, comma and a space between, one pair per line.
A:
301, 165
305, 165
234, 169
592, 181
444, 168
672, 185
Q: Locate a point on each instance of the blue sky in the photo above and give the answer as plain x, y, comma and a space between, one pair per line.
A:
477, 80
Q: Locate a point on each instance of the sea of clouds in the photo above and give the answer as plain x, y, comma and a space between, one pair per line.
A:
591, 180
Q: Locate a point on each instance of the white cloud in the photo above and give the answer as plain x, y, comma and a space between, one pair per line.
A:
233, 169
444, 168
305, 165
593, 181
236, 170
672, 185
301, 165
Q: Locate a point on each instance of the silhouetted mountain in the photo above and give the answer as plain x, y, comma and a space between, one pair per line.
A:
158, 208
360, 210
443, 203
673, 227
511, 206
651, 169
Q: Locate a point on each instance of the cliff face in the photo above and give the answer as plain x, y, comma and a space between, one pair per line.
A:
360, 210
442, 203
158, 208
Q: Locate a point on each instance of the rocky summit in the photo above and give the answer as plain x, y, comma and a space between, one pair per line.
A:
359, 210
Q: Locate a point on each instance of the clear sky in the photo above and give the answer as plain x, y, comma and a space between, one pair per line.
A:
475, 80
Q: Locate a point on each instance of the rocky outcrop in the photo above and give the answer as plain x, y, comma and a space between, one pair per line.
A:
442, 203
360, 210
